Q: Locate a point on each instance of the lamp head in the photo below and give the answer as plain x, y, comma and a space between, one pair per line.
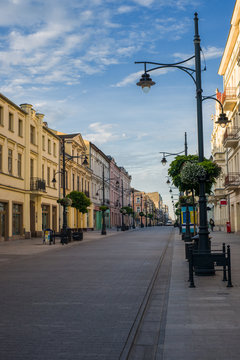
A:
168, 181
164, 161
54, 180
85, 161
145, 82
223, 120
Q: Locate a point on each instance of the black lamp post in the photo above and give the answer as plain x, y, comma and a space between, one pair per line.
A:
146, 82
103, 230
133, 213
141, 211
64, 237
123, 224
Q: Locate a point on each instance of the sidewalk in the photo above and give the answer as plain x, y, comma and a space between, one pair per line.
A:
35, 245
203, 322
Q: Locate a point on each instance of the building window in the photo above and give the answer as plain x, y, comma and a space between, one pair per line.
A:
48, 176
43, 142
78, 158
10, 121
1, 115
43, 175
49, 146
20, 128
17, 219
10, 155
31, 168
32, 134
54, 149
0, 157
19, 165
73, 181
138, 200
78, 185
138, 209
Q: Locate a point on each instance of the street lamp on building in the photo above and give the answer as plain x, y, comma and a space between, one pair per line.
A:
146, 81
64, 237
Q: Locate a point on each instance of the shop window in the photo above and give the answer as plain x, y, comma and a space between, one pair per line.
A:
17, 219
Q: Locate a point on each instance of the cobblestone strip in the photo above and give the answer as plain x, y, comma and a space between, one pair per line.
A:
147, 334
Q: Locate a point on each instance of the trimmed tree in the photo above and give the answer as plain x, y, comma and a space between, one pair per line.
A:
79, 201
186, 172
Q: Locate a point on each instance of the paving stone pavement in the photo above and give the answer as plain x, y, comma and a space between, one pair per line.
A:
201, 323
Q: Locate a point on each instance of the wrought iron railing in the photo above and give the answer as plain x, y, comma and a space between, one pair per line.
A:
37, 184
232, 179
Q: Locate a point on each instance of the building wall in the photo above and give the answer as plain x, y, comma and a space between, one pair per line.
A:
23, 191
226, 142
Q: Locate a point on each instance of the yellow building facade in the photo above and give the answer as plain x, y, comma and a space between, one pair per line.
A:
78, 178
28, 158
226, 142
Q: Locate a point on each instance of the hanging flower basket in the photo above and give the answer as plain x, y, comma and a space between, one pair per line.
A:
103, 208
141, 214
65, 201
191, 173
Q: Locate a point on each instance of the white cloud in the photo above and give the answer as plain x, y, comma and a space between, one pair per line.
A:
144, 2
212, 52
101, 133
125, 9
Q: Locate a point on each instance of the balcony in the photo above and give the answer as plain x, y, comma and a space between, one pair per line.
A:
218, 155
219, 193
232, 181
231, 137
228, 98
37, 185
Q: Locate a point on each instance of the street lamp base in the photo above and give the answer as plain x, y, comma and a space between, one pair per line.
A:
205, 271
103, 232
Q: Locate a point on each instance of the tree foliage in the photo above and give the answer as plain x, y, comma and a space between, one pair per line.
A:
127, 210
188, 179
79, 201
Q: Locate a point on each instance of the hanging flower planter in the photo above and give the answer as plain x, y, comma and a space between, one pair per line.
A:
103, 208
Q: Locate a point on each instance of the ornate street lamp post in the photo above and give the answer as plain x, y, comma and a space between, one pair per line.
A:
103, 230
146, 82
64, 237
133, 213
141, 211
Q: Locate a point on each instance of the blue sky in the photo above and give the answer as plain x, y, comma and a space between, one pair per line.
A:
74, 61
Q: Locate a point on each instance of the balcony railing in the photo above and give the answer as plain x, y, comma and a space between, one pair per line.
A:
231, 136
232, 181
37, 184
228, 98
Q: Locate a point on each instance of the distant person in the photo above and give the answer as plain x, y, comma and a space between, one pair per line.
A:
212, 224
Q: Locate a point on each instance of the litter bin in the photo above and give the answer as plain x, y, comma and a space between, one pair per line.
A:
228, 227
77, 235
48, 237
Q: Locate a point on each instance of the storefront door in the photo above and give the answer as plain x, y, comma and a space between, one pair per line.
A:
3, 221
